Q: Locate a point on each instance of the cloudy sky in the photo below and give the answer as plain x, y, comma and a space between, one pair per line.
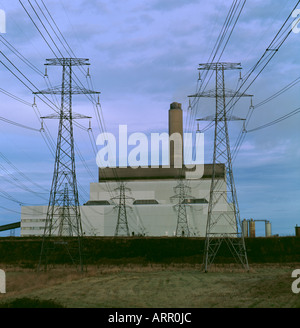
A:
144, 55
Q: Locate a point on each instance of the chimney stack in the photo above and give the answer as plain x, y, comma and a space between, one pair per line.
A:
176, 135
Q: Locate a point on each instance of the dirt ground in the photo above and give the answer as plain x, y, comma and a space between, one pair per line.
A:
154, 286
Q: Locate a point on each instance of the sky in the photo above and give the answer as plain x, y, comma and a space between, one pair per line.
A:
144, 55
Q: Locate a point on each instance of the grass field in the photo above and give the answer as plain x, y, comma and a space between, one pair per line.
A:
153, 286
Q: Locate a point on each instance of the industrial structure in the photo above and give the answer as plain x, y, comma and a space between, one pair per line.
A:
11, 228
222, 154
63, 213
249, 229
153, 211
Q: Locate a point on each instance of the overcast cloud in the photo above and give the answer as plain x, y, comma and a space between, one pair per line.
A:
144, 55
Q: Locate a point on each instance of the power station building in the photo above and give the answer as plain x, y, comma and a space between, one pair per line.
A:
150, 197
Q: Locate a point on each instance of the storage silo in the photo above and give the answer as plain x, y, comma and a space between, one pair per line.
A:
268, 229
252, 228
245, 227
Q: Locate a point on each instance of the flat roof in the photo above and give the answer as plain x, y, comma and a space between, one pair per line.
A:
146, 173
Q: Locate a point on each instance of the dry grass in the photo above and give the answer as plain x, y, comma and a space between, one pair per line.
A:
162, 286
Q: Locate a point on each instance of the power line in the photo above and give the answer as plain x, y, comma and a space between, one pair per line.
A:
11, 179
17, 124
243, 132
91, 97
278, 120
19, 55
227, 29
51, 38
15, 97
47, 138
278, 93
48, 102
20, 173
10, 210
46, 135
70, 51
37, 26
264, 60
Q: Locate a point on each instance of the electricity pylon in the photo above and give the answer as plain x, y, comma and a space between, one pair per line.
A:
223, 221
182, 228
64, 224
63, 221
122, 228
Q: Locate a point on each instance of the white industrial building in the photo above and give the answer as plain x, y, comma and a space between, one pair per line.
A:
151, 209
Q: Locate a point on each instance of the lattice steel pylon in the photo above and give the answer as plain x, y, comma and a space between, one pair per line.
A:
182, 228
223, 221
122, 228
64, 223
63, 226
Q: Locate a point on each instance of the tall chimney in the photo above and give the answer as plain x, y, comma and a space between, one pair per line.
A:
176, 135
